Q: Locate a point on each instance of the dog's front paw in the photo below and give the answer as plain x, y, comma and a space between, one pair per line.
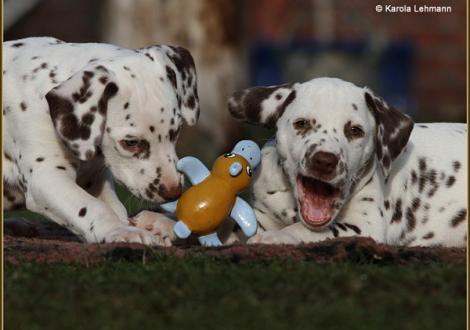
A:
157, 224
273, 237
132, 235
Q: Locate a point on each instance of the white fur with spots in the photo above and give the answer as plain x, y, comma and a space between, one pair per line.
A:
416, 197
78, 115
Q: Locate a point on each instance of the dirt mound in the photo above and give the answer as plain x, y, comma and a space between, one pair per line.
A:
49, 243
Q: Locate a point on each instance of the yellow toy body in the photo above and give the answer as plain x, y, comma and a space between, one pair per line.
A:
206, 205
213, 197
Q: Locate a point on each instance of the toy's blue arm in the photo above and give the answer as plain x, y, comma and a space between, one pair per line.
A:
244, 215
169, 207
193, 168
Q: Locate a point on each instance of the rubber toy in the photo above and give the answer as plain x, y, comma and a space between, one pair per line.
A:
213, 195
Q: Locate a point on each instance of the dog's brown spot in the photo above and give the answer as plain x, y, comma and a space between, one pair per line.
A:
110, 90
410, 219
149, 57
456, 165
387, 204
450, 181
82, 212
415, 204
88, 119
459, 218
428, 235
103, 80
354, 228
84, 93
171, 75
397, 214
173, 134
333, 230
191, 103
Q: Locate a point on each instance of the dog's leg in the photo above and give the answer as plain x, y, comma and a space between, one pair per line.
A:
108, 195
83, 214
297, 234
360, 217
97, 180
13, 198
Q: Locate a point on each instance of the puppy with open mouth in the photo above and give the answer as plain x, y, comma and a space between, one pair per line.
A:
345, 163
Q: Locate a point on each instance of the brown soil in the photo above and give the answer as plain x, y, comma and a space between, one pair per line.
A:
49, 243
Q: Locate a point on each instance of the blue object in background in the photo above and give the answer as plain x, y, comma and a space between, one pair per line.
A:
392, 72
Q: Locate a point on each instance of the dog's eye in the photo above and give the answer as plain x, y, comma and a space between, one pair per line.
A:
300, 123
356, 131
249, 171
131, 145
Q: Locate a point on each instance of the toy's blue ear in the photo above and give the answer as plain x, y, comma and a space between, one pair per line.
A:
248, 150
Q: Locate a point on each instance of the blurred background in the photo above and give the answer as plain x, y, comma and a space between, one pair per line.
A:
415, 61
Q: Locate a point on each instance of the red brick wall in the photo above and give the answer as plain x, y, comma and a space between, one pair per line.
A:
439, 79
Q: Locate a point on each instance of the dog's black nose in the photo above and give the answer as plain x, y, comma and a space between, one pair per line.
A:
323, 163
170, 193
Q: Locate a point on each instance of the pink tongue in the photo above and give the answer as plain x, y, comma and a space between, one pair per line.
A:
316, 210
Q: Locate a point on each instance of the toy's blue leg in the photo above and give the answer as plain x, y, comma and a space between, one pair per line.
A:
210, 240
170, 207
244, 215
181, 230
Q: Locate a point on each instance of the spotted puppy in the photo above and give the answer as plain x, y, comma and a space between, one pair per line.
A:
76, 115
344, 163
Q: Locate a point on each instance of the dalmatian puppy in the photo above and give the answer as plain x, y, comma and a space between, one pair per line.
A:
78, 115
345, 163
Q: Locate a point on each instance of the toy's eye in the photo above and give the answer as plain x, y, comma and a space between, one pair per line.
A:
229, 155
249, 171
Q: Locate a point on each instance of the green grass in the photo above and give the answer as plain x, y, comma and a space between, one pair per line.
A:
206, 293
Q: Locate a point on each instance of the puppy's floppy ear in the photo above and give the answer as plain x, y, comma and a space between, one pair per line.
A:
181, 73
78, 108
393, 130
261, 105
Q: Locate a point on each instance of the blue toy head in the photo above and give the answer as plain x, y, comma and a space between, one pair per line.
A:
248, 150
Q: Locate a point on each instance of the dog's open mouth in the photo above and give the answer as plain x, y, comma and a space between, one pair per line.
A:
316, 199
